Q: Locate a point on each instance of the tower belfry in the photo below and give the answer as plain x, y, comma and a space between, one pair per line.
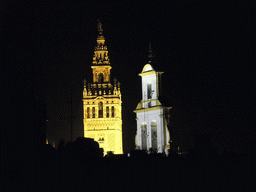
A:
152, 116
102, 102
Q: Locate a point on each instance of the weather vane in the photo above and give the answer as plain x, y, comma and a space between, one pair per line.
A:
99, 26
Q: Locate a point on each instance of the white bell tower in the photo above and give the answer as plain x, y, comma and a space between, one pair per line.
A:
152, 131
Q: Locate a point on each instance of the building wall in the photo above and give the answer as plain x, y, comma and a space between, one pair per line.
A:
162, 132
110, 128
151, 112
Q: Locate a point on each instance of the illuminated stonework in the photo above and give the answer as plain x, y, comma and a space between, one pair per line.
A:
152, 131
102, 102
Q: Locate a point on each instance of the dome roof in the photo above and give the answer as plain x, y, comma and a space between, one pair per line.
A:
147, 68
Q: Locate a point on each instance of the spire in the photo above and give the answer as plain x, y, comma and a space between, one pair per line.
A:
100, 55
100, 61
118, 85
89, 89
115, 90
115, 82
85, 91
150, 53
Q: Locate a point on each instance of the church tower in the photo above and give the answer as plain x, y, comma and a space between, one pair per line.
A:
152, 116
102, 102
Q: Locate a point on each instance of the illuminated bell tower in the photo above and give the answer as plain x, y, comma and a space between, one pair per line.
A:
152, 116
102, 102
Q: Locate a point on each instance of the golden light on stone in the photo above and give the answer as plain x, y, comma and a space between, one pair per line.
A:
102, 109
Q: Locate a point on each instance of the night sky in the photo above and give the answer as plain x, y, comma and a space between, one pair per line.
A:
204, 48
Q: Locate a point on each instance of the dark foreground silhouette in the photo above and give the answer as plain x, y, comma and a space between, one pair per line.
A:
80, 166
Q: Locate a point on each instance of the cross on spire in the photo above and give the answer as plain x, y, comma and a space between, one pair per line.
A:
150, 53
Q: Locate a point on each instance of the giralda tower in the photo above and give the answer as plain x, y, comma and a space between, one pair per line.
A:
102, 102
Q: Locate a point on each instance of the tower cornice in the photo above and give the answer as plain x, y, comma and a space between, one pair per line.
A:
148, 70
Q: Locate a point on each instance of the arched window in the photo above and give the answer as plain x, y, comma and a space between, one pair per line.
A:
93, 112
101, 138
107, 111
144, 136
100, 110
88, 112
112, 111
149, 89
154, 135
100, 78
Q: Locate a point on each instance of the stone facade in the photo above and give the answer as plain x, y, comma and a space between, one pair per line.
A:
102, 104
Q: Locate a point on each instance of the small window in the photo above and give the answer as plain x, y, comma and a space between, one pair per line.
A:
149, 91
107, 111
93, 112
100, 79
101, 138
88, 112
113, 111
100, 110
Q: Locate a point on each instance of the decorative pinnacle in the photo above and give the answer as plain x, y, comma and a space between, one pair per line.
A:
115, 90
85, 83
118, 84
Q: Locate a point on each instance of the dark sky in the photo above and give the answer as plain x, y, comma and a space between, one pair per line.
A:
204, 48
